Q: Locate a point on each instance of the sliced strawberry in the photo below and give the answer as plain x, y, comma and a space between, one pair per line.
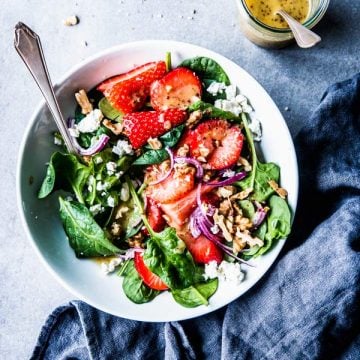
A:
141, 126
128, 92
149, 278
221, 141
178, 212
148, 73
177, 89
154, 215
201, 248
172, 188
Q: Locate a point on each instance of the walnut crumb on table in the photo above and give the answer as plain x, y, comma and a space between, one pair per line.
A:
71, 20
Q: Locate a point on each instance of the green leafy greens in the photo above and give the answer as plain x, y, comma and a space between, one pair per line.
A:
210, 111
85, 236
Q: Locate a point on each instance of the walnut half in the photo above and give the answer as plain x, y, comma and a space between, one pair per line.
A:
83, 100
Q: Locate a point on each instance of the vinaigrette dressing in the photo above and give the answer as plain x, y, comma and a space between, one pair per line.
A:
265, 11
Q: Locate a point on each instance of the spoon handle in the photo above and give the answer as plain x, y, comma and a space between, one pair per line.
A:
27, 44
304, 37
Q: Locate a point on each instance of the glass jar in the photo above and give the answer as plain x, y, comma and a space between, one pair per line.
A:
270, 37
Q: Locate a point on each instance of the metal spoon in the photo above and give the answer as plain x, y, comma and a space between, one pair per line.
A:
304, 37
27, 44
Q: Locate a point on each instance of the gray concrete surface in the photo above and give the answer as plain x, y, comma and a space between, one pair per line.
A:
294, 78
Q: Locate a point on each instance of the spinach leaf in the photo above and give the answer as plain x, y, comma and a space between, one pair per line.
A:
166, 256
207, 69
109, 111
85, 236
85, 139
210, 111
264, 173
248, 208
134, 288
67, 172
134, 223
152, 157
78, 116
278, 222
195, 295
172, 137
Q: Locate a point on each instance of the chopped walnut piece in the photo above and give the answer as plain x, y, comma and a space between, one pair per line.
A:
225, 207
183, 150
238, 244
204, 151
194, 118
207, 176
155, 143
201, 159
167, 125
115, 229
86, 158
71, 20
279, 190
242, 194
115, 128
251, 241
182, 170
220, 221
136, 240
84, 102
226, 191
121, 211
242, 161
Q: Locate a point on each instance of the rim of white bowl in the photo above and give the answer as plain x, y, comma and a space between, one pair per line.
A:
68, 74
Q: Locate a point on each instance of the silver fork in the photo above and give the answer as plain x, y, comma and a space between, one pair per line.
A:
27, 44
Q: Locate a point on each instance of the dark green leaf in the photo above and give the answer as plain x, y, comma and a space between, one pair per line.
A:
166, 256
85, 139
172, 137
134, 288
264, 173
108, 111
278, 222
67, 172
85, 236
196, 295
207, 69
152, 157
210, 111
78, 115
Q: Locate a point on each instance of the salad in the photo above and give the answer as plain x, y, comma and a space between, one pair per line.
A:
167, 188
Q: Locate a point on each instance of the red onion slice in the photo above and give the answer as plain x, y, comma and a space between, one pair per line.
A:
93, 149
167, 174
259, 216
194, 226
239, 176
188, 160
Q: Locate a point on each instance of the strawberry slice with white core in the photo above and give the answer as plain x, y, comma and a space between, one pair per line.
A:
174, 187
177, 89
128, 92
216, 143
141, 126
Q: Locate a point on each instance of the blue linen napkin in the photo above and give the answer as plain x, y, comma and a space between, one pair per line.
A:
306, 307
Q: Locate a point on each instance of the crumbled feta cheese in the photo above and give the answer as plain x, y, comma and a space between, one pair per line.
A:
100, 186
119, 174
229, 105
111, 167
228, 173
226, 271
111, 201
216, 88
98, 160
255, 127
57, 141
211, 270
90, 188
103, 194
74, 132
69, 198
122, 147
109, 267
247, 108
215, 229
230, 272
124, 192
96, 209
241, 99
91, 122
230, 92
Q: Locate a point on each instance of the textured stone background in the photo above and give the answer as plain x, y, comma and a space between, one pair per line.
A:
294, 78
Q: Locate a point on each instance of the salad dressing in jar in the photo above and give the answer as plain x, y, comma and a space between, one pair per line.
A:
260, 23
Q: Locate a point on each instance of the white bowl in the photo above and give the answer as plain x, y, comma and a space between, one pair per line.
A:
84, 278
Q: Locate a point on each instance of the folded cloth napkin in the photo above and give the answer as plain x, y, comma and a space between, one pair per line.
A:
306, 307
